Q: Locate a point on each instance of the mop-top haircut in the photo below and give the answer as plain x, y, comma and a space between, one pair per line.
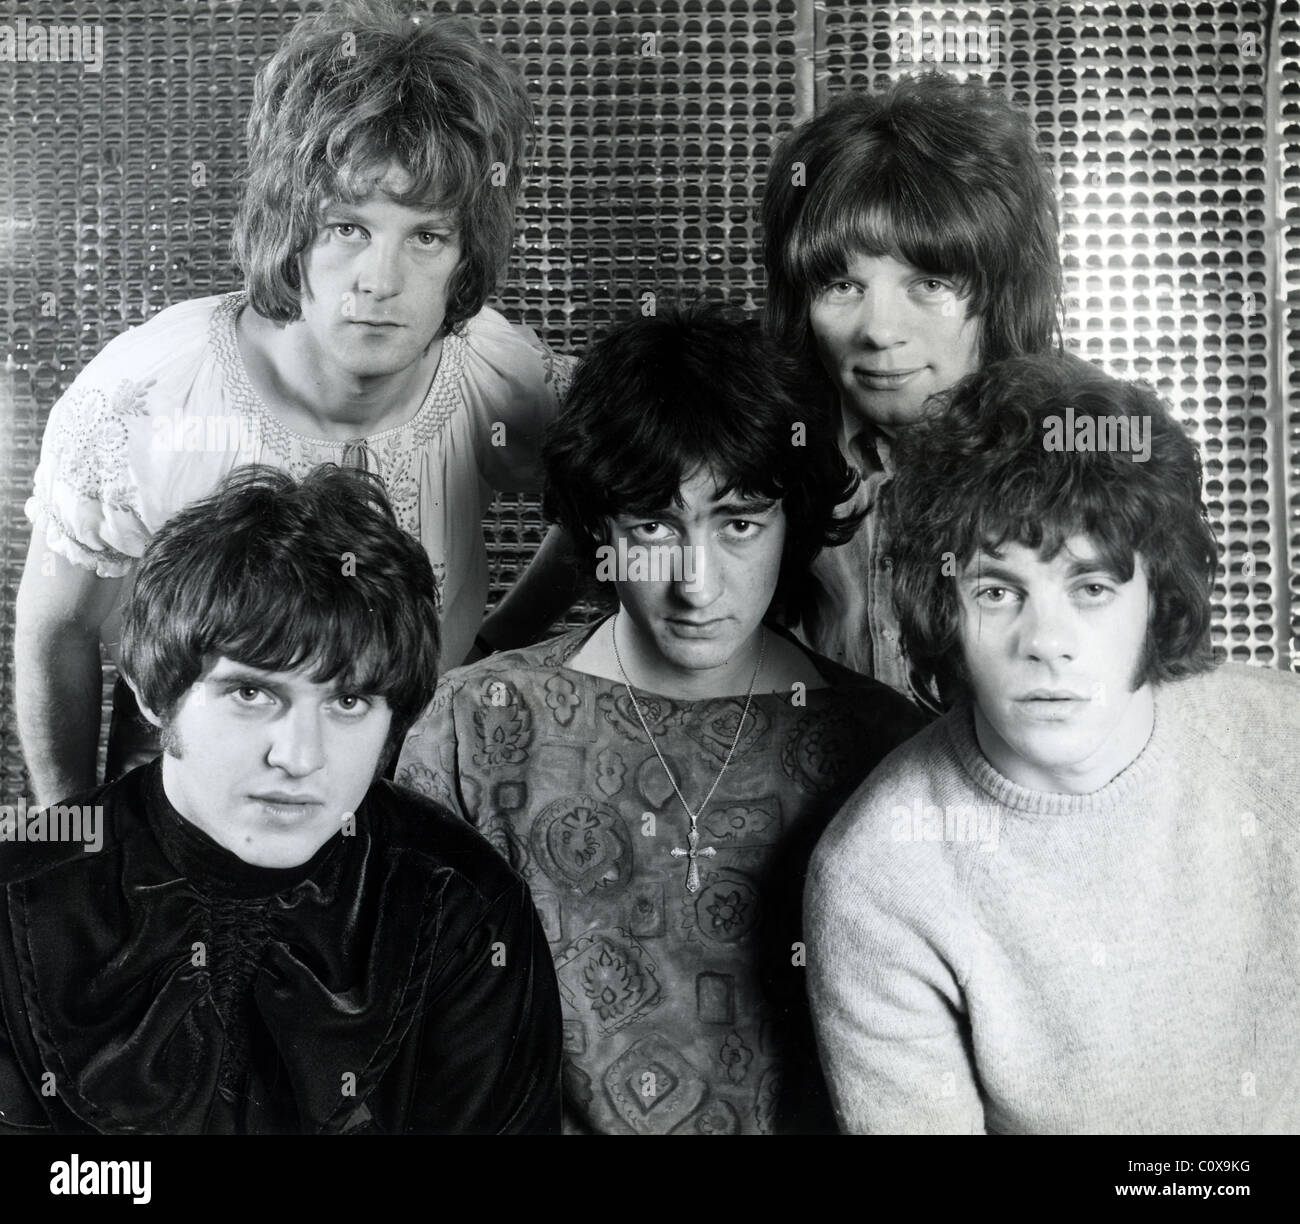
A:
363, 86
658, 398
941, 174
281, 575
977, 474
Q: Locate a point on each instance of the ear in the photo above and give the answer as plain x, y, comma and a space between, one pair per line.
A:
144, 709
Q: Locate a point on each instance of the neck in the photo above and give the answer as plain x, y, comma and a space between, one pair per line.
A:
859, 435
1122, 746
315, 396
644, 668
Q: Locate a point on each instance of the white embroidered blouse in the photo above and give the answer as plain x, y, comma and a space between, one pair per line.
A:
165, 410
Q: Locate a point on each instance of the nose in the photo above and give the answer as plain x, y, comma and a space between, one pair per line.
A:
297, 741
702, 580
1049, 632
880, 316
380, 271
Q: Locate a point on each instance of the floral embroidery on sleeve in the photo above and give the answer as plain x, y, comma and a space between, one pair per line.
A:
558, 372
89, 445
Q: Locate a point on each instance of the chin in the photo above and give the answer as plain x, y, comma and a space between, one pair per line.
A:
699, 657
277, 852
698, 660
1052, 752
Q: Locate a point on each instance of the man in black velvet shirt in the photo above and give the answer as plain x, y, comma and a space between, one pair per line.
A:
256, 932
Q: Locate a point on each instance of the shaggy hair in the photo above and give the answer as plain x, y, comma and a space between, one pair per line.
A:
258, 572
977, 474
940, 174
355, 90
658, 398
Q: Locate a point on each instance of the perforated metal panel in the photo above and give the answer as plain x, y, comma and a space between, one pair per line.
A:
120, 202
1284, 116
656, 119
655, 123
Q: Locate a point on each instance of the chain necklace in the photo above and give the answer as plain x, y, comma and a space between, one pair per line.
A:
693, 850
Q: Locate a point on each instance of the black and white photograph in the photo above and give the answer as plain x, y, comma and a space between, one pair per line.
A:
644, 567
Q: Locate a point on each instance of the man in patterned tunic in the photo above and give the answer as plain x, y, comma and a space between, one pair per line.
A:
660, 777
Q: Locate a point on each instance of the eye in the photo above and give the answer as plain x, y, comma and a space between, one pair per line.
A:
348, 231
652, 530
432, 239
744, 528
1096, 592
352, 703
994, 596
248, 695
935, 287
839, 288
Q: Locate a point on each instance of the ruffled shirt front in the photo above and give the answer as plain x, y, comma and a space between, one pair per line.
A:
161, 985
166, 410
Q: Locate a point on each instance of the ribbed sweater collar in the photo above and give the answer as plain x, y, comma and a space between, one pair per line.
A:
1143, 775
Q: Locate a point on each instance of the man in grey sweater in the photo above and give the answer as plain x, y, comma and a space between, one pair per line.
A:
1072, 904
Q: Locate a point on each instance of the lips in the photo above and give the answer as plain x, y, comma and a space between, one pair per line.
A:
885, 379
696, 628
282, 799
1052, 695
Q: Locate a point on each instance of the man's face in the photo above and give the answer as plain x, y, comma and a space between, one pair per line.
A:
890, 336
694, 637
1053, 650
268, 764
375, 281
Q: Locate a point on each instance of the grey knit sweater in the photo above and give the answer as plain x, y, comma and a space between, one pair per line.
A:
983, 957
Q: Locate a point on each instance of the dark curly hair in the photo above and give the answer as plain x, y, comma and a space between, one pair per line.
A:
657, 398
258, 572
977, 473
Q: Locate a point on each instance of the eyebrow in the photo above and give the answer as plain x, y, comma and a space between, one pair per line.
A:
243, 673
731, 508
246, 674
433, 218
983, 568
752, 505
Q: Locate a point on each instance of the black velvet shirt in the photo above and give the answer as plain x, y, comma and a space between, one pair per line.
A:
397, 982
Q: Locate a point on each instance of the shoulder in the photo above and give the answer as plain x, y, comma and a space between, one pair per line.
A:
440, 843
888, 704
149, 370
866, 701
1274, 695
76, 835
915, 777
514, 670
1237, 725
490, 332
177, 332
1236, 708
497, 350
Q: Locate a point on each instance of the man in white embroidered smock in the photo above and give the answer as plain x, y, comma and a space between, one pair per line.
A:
1071, 905
386, 153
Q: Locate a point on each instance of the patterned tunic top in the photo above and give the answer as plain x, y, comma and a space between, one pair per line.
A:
682, 1012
